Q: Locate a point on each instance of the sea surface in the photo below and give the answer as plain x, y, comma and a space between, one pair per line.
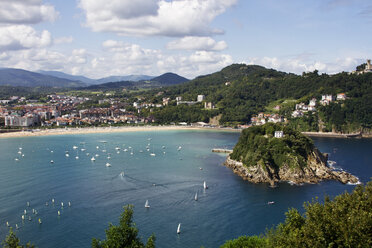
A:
183, 160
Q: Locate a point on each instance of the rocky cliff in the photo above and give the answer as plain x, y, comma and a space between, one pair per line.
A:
315, 171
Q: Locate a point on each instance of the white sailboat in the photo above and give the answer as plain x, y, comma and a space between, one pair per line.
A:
147, 204
179, 228
93, 159
205, 185
196, 196
108, 164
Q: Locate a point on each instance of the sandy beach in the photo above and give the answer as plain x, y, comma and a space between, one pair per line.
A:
88, 130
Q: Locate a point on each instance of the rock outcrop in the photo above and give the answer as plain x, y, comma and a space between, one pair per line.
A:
315, 171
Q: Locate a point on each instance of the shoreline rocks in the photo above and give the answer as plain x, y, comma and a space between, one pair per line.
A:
315, 172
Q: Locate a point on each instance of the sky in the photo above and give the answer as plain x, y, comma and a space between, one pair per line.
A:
99, 38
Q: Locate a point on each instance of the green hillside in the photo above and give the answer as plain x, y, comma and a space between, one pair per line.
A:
240, 91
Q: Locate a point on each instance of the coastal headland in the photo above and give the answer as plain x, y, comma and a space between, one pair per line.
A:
273, 153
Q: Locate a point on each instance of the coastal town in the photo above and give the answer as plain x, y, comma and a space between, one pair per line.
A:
61, 110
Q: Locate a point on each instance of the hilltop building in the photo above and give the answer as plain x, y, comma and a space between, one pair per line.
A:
368, 66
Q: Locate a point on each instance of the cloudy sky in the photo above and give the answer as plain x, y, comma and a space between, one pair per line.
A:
98, 38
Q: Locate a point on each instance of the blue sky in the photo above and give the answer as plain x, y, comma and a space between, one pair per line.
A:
97, 38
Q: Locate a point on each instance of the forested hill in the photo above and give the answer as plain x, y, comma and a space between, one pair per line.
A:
240, 91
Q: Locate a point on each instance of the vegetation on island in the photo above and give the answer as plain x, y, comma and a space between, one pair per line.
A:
345, 221
257, 145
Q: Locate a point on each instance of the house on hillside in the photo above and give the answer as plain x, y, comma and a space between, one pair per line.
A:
341, 97
278, 134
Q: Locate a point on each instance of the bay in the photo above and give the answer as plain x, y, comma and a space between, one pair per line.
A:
230, 207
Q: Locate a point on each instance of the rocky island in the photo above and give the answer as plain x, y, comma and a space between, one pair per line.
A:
273, 153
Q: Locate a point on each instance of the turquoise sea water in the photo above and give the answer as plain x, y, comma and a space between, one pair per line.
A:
230, 207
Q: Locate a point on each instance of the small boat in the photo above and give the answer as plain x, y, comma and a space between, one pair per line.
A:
117, 148
33, 211
270, 202
97, 147
23, 155
152, 154
205, 185
74, 147
19, 152
82, 149
179, 148
23, 217
7, 224
61, 204
163, 147
93, 159
67, 155
196, 196
17, 226
39, 221
53, 200
28, 204
103, 150
29, 218
16, 159
77, 157
122, 173
51, 151
108, 165
147, 204
20, 148
179, 228
46, 203
108, 157
59, 213
25, 211
69, 204
97, 155
51, 161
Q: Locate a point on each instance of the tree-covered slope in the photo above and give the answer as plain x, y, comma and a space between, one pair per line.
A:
240, 91
345, 221
258, 145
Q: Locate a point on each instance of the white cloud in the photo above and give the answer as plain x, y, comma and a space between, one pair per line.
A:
197, 43
297, 65
63, 40
18, 37
26, 12
155, 17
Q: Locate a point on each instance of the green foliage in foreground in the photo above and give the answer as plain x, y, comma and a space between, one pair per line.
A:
345, 221
12, 241
257, 145
123, 235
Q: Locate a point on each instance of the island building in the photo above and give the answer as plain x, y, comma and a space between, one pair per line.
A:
201, 98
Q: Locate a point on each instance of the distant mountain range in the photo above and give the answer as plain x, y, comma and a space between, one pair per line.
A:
90, 81
19, 77
166, 79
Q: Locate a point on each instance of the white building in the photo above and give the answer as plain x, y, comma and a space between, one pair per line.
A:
341, 97
278, 134
201, 98
312, 102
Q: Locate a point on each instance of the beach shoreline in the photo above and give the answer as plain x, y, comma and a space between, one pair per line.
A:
91, 130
